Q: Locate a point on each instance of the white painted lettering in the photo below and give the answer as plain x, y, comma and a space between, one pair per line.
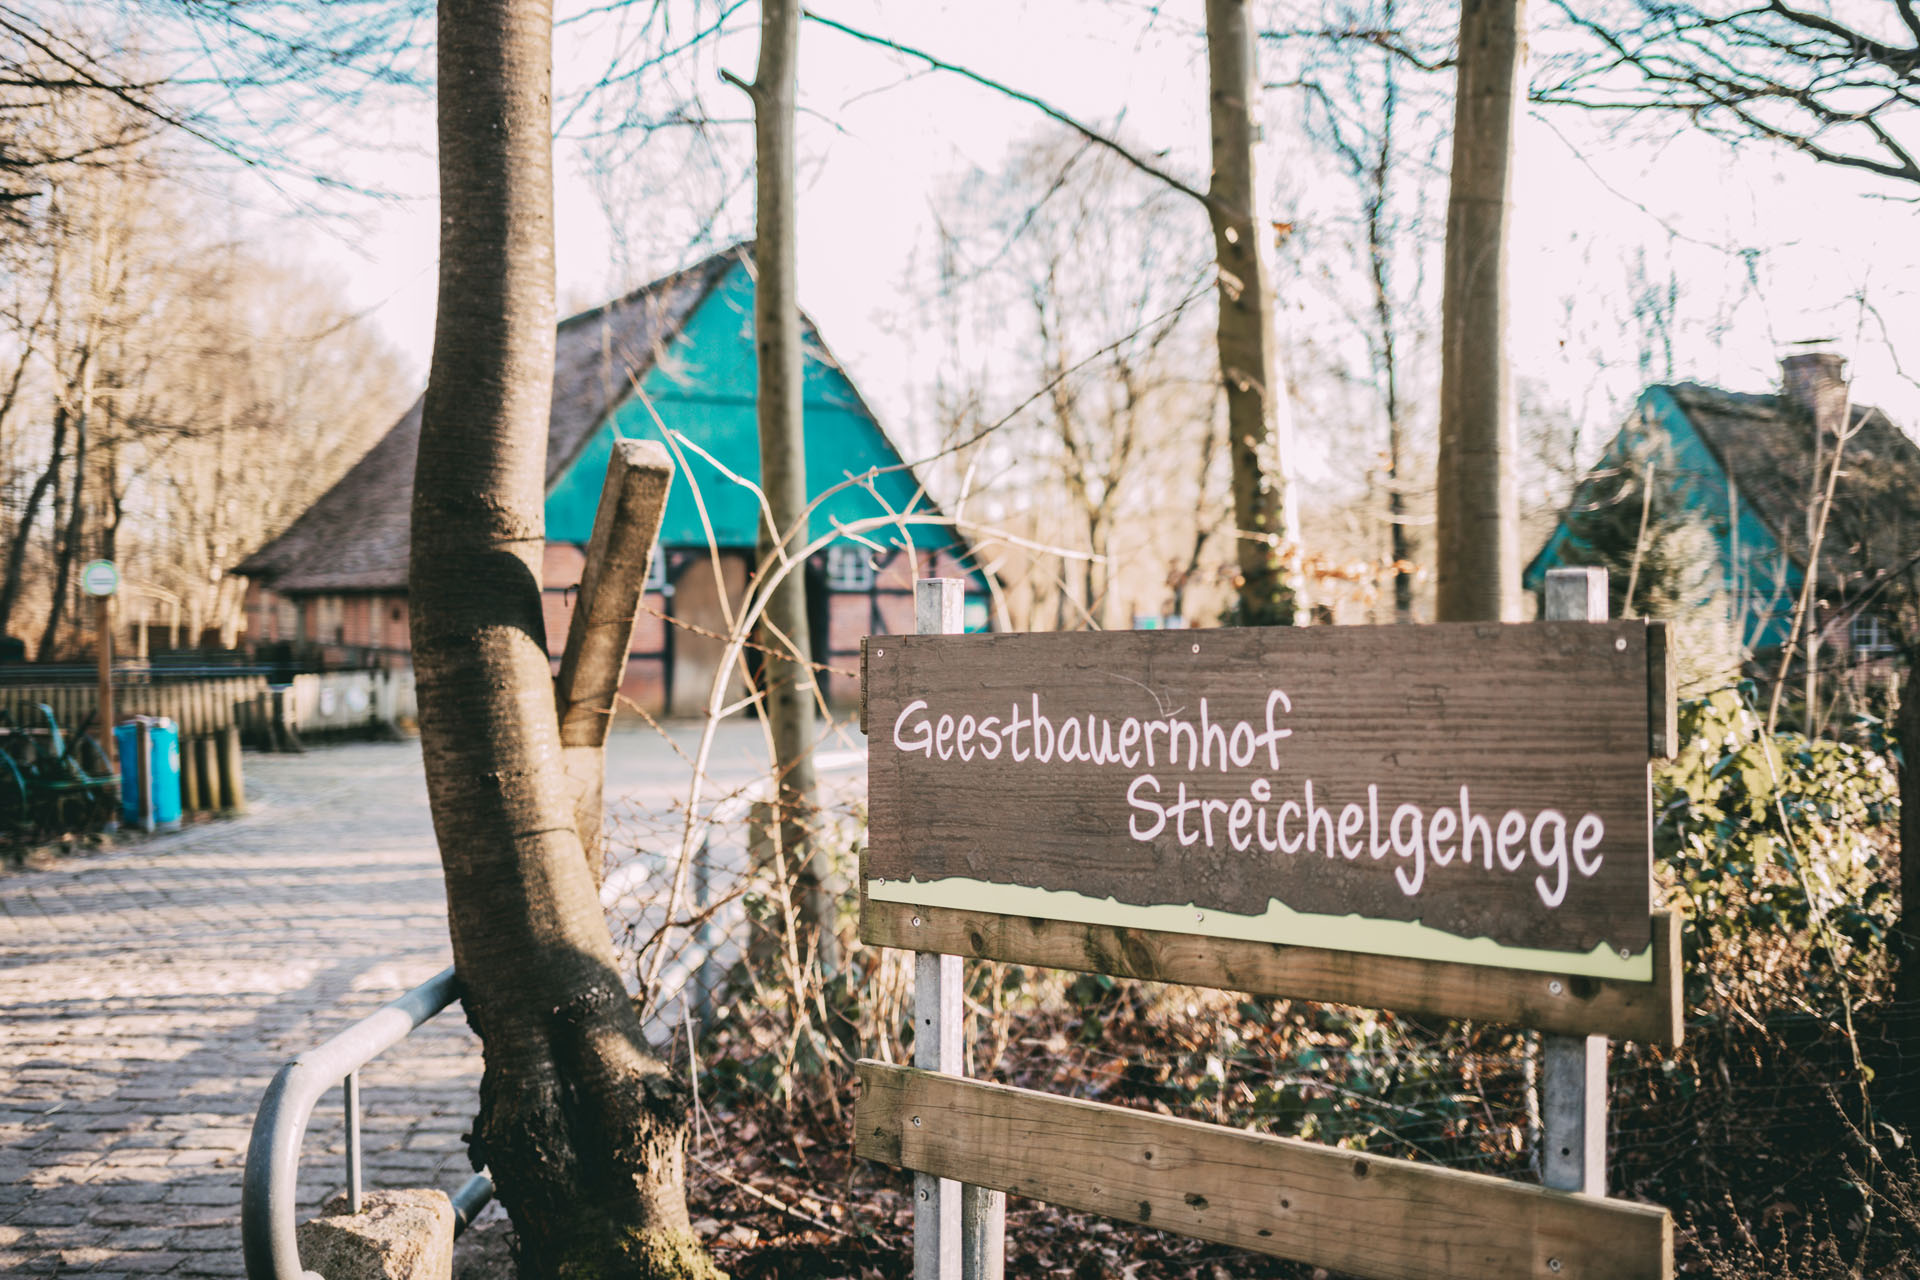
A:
1352, 818
1513, 828
1412, 844
1440, 827
1586, 838
924, 742
1552, 856
1237, 819
1145, 806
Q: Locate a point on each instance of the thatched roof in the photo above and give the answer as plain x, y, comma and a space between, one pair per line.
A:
355, 537
1767, 445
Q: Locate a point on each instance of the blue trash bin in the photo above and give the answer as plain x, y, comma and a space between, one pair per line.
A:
162, 772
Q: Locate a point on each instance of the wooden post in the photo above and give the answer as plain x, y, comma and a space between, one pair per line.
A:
208, 766
233, 789
143, 744
1573, 1102
983, 1233
189, 773
958, 1231
632, 501
103, 626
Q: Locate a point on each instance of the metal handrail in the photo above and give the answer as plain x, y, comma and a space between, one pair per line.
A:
270, 1187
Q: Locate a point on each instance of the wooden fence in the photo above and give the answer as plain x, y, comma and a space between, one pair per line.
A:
199, 707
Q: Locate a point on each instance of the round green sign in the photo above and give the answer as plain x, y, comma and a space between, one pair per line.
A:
100, 578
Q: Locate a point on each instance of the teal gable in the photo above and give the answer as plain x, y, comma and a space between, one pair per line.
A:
1755, 569
703, 388
674, 359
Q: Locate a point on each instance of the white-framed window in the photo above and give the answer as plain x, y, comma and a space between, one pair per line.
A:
849, 568
1869, 635
656, 571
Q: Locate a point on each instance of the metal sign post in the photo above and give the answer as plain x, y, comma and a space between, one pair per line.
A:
100, 580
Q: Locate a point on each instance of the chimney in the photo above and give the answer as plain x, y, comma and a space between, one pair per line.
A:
1816, 381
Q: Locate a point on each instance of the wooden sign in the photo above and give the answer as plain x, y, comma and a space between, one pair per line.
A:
1465, 793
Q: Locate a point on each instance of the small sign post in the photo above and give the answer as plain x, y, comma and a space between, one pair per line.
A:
100, 579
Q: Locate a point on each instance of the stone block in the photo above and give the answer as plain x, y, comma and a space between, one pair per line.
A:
397, 1235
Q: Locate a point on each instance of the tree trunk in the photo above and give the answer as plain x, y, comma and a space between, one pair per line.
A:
67, 541
1380, 265
1399, 544
1478, 526
1907, 735
1262, 512
785, 637
23, 532
583, 1129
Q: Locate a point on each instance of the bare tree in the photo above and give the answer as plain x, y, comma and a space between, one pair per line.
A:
786, 639
208, 395
1068, 273
583, 1128
1256, 402
1356, 109
1838, 85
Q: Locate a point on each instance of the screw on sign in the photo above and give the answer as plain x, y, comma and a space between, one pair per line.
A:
100, 578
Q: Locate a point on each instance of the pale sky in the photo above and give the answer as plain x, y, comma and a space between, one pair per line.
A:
883, 141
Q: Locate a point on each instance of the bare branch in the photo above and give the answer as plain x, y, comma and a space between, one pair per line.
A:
1804, 80
1046, 108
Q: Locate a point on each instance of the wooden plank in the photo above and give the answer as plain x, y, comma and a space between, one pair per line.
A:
1569, 1004
1275, 783
1360, 1214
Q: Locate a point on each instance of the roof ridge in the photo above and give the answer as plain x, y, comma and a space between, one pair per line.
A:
354, 535
738, 250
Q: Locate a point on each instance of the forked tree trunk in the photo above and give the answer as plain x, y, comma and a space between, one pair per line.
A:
1255, 400
66, 541
583, 1129
14, 576
785, 637
1478, 547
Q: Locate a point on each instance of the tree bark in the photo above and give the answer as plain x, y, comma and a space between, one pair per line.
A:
785, 637
1478, 513
1262, 511
67, 540
10, 584
1380, 266
583, 1129
1399, 544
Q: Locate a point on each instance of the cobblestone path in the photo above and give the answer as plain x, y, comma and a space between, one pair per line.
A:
148, 994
